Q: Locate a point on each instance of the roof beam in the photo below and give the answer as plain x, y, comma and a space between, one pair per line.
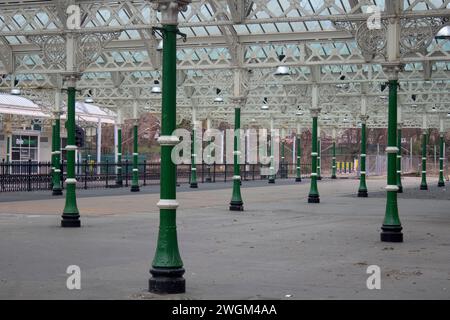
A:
6, 55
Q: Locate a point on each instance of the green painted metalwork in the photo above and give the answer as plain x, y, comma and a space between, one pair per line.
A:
119, 177
391, 224
399, 160
57, 189
362, 191
319, 162
272, 158
299, 157
135, 179
167, 253
314, 192
236, 203
441, 182
423, 183
194, 183
71, 214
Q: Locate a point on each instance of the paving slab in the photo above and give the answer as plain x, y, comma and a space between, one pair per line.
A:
280, 247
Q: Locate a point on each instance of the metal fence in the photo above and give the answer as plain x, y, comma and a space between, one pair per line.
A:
32, 176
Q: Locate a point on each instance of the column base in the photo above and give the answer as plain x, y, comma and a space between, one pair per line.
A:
194, 185
423, 187
441, 184
167, 281
236, 206
271, 180
57, 192
391, 234
135, 189
362, 194
313, 198
70, 221
298, 179
333, 177
400, 189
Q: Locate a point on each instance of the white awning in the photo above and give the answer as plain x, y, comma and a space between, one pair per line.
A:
17, 105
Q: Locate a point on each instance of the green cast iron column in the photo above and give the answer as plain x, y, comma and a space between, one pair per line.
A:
313, 196
391, 228
362, 191
441, 182
399, 159
299, 158
71, 215
333, 162
236, 203
53, 155
423, 183
135, 181
119, 177
272, 159
194, 183
167, 267
57, 190
319, 177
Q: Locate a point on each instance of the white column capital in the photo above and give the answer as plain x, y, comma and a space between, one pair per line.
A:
392, 69
169, 9
315, 112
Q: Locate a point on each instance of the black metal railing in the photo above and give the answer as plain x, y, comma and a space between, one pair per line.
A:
32, 176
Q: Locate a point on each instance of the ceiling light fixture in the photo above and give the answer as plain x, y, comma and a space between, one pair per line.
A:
264, 105
156, 89
218, 98
444, 33
282, 70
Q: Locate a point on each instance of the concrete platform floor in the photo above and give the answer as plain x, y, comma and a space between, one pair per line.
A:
280, 247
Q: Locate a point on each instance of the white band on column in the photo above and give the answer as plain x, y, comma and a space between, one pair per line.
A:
391, 188
424, 158
167, 204
135, 170
363, 172
168, 140
71, 148
193, 169
71, 181
363, 155
399, 171
424, 172
236, 177
391, 150
313, 174
119, 154
314, 154
57, 170
236, 153
399, 156
135, 154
